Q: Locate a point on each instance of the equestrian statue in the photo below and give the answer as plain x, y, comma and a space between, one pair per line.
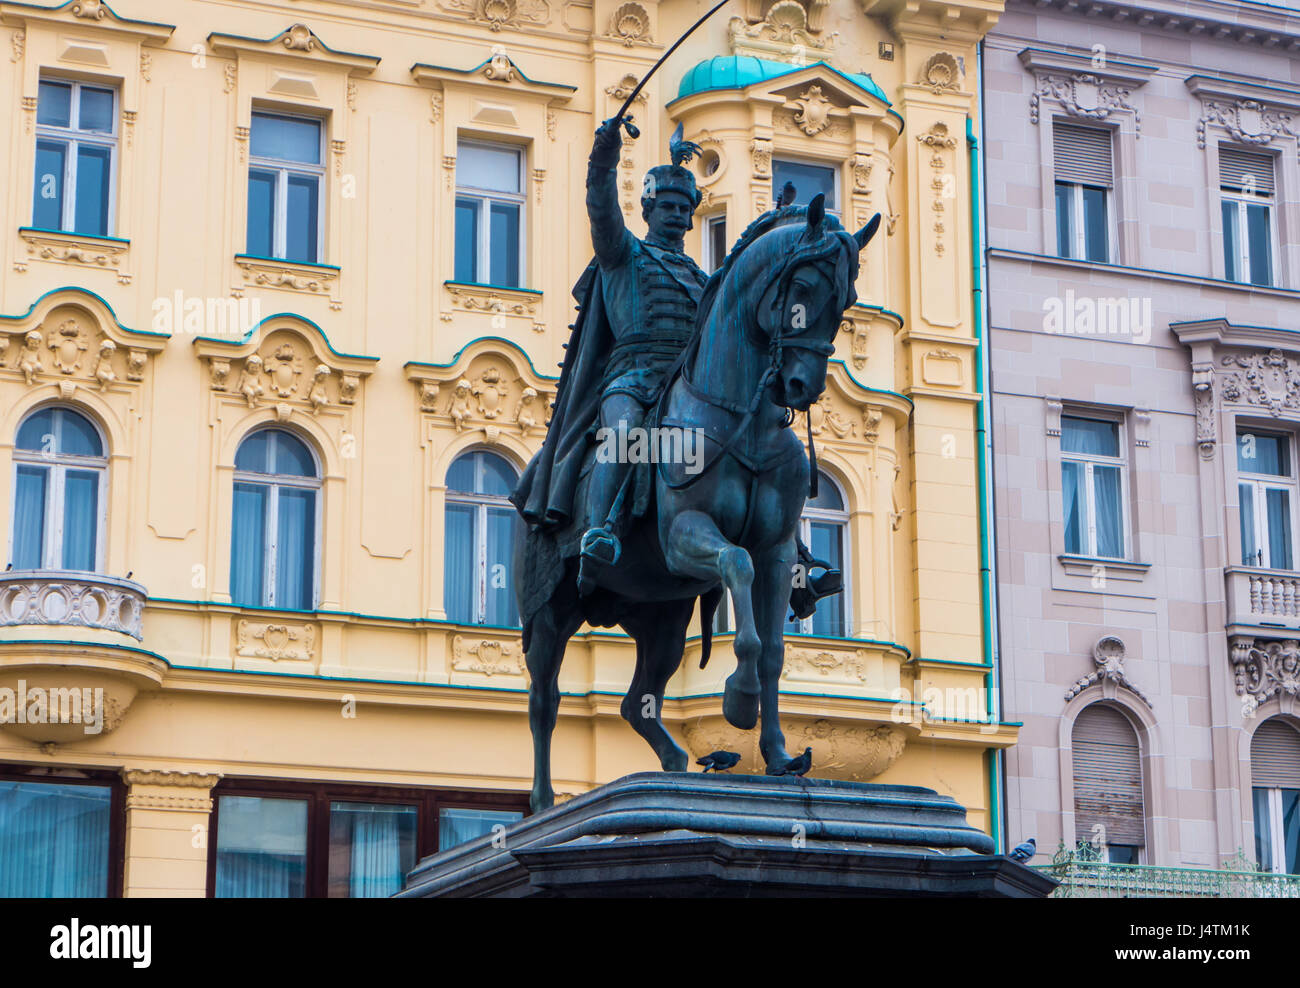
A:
715, 365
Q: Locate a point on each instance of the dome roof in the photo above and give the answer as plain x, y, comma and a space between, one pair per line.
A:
739, 71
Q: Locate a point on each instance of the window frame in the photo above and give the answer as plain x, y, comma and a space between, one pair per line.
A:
58, 465
835, 168
1091, 460
480, 503
73, 137
1079, 226
712, 259
1276, 830
272, 521
283, 169
1259, 483
1241, 202
483, 254
116, 809
840, 517
429, 801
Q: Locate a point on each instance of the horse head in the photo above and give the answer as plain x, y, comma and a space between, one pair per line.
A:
806, 265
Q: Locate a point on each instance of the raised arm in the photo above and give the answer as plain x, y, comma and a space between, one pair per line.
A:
609, 237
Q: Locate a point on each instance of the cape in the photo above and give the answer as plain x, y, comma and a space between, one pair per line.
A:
544, 495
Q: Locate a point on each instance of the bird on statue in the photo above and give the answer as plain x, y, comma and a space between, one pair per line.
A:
719, 761
799, 765
787, 194
1025, 851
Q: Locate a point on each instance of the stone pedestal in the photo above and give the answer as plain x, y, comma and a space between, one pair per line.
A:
690, 834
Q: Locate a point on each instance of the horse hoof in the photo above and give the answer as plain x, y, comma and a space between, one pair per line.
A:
739, 707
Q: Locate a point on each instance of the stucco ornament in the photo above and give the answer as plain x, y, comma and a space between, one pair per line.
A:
1108, 654
814, 111
1264, 669
1082, 95
1247, 121
1270, 380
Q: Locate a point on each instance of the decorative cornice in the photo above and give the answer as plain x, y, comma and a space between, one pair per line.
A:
1065, 62
297, 41
496, 71
1250, 24
87, 15
1251, 114
165, 777
1108, 655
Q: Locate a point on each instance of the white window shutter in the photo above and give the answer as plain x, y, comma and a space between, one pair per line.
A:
1245, 170
1107, 777
1083, 155
1275, 756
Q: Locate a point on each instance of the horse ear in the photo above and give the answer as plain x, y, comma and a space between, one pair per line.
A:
816, 212
863, 236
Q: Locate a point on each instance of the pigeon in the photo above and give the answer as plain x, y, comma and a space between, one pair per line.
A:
798, 765
1025, 851
787, 194
719, 761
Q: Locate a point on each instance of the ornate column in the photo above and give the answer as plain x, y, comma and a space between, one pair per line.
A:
167, 814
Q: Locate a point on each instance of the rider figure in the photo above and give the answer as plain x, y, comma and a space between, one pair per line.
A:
651, 290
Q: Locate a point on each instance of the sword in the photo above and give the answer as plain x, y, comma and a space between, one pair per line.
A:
622, 116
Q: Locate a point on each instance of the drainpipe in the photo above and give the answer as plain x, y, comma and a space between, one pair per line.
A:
984, 462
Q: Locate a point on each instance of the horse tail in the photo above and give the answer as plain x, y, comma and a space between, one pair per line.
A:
708, 606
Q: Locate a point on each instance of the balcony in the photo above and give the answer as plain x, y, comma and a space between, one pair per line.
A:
70, 657
1082, 876
1262, 598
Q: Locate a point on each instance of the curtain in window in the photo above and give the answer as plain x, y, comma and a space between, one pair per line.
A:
29, 517
1263, 829
1250, 548
1109, 514
501, 609
382, 847
458, 826
1277, 506
295, 546
1071, 488
827, 544
248, 544
80, 519
458, 563
53, 840
261, 848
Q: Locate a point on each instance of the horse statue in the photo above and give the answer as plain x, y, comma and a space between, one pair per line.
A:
758, 353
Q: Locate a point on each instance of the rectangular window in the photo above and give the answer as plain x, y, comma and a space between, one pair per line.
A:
808, 180
1084, 177
489, 214
1266, 495
76, 142
277, 839
715, 242
1092, 487
285, 173
1277, 829
55, 840
1246, 181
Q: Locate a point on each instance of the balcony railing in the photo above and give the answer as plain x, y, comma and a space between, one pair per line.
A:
1083, 877
64, 598
1263, 596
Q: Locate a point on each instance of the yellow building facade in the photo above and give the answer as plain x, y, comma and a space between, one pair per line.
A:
283, 291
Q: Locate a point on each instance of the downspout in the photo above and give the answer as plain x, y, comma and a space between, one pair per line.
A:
984, 462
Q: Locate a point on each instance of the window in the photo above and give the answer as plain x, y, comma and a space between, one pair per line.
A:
1084, 176
285, 174
1265, 494
715, 242
76, 137
273, 543
1275, 788
1092, 486
824, 529
480, 528
60, 472
314, 840
55, 840
808, 180
1247, 185
1108, 807
489, 214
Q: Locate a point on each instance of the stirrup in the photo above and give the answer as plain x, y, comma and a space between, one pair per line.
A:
601, 544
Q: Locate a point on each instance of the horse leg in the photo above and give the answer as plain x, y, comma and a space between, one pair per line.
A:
771, 597
694, 547
660, 634
553, 626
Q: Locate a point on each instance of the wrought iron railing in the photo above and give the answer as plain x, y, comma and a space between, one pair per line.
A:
1083, 875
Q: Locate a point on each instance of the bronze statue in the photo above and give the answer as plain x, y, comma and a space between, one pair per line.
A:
637, 544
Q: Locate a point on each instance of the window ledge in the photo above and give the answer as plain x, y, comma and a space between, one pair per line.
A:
473, 297
298, 276
83, 249
1116, 569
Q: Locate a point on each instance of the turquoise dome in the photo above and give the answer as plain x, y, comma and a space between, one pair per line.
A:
739, 71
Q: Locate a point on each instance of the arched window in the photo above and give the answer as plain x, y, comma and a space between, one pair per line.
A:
60, 472
1275, 788
479, 587
273, 545
1108, 807
824, 529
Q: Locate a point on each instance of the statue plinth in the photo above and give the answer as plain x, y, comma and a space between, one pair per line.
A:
691, 834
